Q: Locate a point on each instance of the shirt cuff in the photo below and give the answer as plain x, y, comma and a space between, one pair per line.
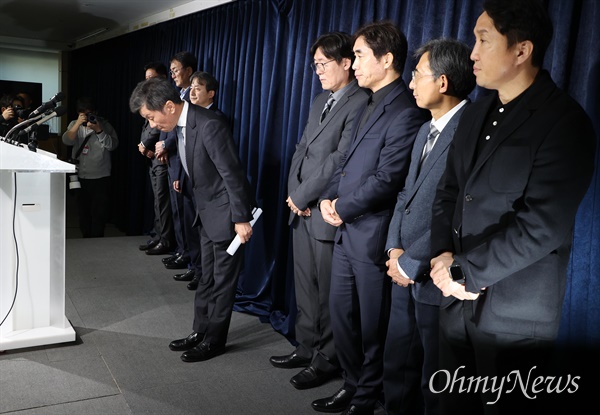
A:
402, 271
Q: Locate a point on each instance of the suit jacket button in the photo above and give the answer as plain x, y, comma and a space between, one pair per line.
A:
343, 173
468, 198
407, 211
306, 157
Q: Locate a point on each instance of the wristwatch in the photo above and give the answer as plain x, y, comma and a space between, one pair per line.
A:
456, 273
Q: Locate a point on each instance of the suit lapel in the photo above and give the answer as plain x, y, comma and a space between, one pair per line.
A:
377, 113
441, 145
340, 104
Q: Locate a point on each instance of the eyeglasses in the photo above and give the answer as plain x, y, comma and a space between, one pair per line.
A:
416, 75
175, 71
319, 65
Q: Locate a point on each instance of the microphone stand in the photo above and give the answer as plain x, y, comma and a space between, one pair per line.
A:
33, 143
18, 126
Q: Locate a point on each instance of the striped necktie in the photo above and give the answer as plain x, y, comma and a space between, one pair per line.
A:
327, 108
433, 133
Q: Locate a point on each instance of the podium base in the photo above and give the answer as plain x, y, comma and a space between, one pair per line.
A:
19, 339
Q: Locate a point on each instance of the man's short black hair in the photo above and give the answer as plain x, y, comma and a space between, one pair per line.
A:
451, 58
85, 104
521, 20
334, 45
206, 79
159, 67
154, 94
383, 37
186, 59
6, 100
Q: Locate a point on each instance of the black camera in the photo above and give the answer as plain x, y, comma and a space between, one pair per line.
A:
90, 118
21, 112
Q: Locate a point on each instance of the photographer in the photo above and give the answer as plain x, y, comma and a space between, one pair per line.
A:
92, 138
9, 107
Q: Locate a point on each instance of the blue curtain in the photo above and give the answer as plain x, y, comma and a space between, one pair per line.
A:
258, 50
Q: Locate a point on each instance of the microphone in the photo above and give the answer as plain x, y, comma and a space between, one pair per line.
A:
58, 112
48, 105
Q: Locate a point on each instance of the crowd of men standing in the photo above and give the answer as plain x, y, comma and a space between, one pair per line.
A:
427, 235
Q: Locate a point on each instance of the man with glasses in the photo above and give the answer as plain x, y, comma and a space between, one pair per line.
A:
359, 201
322, 145
440, 82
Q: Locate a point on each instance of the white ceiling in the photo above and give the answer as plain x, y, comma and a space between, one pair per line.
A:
61, 24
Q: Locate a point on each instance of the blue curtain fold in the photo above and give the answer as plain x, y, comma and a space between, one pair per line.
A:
259, 52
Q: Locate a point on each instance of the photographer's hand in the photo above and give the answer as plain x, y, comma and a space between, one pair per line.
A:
81, 119
8, 113
96, 127
72, 132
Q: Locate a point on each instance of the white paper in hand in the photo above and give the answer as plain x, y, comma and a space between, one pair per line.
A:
235, 244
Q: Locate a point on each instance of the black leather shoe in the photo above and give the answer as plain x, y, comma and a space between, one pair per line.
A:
178, 263
311, 377
158, 249
337, 402
189, 342
357, 410
148, 245
187, 276
194, 283
203, 351
170, 258
289, 361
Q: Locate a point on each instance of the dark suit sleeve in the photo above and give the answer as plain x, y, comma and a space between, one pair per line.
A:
150, 137
293, 181
222, 152
311, 188
393, 239
389, 175
171, 142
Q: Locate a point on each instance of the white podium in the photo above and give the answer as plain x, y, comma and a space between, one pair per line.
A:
32, 248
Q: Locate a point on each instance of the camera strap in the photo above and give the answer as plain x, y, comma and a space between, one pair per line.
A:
80, 149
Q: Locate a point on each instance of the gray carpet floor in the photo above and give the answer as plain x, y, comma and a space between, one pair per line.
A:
126, 308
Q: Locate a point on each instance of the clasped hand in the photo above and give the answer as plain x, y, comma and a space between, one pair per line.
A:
329, 213
294, 208
442, 279
394, 272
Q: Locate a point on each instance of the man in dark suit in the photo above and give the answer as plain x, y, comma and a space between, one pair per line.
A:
223, 207
440, 82
164, 240
183, 65
201, 92
503, 216
360, 201
325, 140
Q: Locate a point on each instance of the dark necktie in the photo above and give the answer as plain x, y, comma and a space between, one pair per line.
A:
327, 108
367, 113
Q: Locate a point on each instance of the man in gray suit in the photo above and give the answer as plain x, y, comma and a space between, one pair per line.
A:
440, 82
322, 146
